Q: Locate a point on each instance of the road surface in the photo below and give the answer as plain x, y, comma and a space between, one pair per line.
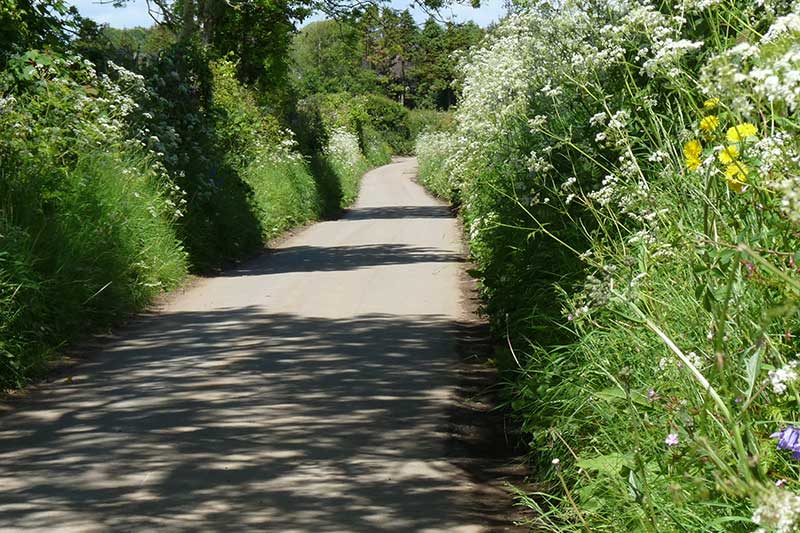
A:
306, 391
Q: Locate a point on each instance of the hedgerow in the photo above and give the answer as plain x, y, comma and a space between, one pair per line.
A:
115, 185
627, 173
86, 216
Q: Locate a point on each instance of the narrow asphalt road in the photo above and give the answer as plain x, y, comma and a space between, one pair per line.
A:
306, 391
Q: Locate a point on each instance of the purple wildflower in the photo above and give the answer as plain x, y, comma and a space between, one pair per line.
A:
780, 483
652, 395
672, 439
788, 439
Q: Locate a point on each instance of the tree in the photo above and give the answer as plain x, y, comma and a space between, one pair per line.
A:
26, 24
434, 64
390, 40
327, 57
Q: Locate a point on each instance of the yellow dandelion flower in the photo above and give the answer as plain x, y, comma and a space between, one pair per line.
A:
711, 103
741, 131
736, 176
692, 152
709, 123
729, 154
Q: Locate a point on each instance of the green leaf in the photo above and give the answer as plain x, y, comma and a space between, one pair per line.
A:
633, 486
474, 273
753, 368
610, 464
615, 393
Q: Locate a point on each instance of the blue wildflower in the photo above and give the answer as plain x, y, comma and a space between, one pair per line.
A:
788, 439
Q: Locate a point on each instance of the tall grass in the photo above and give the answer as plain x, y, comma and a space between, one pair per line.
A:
628, 179
104, 204
79, 256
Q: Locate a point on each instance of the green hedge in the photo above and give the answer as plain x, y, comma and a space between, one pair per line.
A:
628, 179
113, 188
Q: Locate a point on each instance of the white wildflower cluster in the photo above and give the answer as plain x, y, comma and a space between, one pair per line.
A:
435, 147
605, 194
779, 168
699, 5
667, 58
343, 148
597, 289
636, 280
643, 236
538, 164
286, 150
671, 362
535, 124
781, 378
474, 228
496, 78
786, 24
779, 81
790, 202
481, 224
766, 72
598, 119
7, 103
578, 312
616, 131
779, 511
657, 36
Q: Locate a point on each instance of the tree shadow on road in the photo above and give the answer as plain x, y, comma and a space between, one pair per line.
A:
240, 419
340, 258
403, 211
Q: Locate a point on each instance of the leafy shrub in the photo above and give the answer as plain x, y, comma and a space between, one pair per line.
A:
390, 120
378, 123
175, 167
202, 125
346, 161
628, 178
67, 161
423, 120
432, 150
377, 150
285, 193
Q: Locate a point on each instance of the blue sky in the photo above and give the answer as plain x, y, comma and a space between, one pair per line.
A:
135, 14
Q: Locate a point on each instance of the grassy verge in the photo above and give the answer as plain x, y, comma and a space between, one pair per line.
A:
98, 214
632, 208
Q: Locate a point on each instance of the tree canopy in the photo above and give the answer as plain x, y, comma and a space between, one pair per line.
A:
381, 51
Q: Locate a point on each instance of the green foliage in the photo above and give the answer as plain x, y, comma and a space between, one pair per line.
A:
67, 163
390, 42
379, 124
377, 150
389, 120
326, 58
382, 51
285, 195
179, 167
28, 24
130, 47
435, 62
201, 122
428, 120
631, 200
241, 127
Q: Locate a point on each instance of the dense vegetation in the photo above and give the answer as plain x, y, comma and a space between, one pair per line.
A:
132, 157
382, 52
628, 173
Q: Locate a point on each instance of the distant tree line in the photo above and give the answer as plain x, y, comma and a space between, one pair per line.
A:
382, 51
